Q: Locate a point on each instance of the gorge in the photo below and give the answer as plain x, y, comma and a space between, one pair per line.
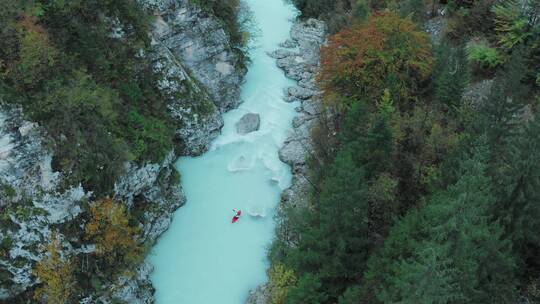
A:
203, 258
244, 165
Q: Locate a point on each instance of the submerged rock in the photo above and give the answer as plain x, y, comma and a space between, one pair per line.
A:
248, 123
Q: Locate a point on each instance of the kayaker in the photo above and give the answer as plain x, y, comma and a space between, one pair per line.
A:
237, 214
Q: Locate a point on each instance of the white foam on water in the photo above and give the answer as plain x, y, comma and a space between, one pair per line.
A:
242, 163
257, 210
203, 258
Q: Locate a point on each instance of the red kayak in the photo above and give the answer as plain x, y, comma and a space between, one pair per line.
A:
236, 217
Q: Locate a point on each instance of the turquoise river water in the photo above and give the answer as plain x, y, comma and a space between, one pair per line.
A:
203, 258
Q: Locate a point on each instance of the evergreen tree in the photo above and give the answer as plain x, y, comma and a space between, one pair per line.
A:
355, 122
414, 8
361, 10
378, 146
501, 111
334, 245
427, 278
522, 199
449, 251
503, 123
308, 291
449, 75
351, 296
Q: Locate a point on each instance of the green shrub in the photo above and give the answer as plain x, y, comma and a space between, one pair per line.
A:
8, 191
96, 97
149, 137
481, 53
229, 12
280, 280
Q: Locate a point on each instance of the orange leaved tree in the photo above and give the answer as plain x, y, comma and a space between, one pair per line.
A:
386, 52
110, 229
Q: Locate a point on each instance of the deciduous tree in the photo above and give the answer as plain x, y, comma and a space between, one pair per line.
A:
56, 274
386, 52
114, 236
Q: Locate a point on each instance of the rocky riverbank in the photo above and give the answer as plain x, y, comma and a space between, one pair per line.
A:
299, 58
202, 74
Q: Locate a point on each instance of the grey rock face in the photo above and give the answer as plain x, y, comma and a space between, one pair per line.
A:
202, 71
30, 199
260, 295
24, 164
289, 44
200, 43
201, 75
248, 123
300, 93
281, 53
434, 27
189, 103
33, 201
156, 184
477, 93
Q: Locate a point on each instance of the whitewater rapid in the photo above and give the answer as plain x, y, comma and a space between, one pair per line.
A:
203, 258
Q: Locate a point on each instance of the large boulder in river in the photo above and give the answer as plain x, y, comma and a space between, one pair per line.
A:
248, 123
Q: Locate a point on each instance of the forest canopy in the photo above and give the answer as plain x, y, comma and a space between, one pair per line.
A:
431, 195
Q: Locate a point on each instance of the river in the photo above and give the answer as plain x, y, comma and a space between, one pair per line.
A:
203, 258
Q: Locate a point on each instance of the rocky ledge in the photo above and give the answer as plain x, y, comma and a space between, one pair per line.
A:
202, 71
34, 203
299, 58
301, 64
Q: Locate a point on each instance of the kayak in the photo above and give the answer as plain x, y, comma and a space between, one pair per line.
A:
236, 217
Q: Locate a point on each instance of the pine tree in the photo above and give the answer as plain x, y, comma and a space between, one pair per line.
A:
427, 278
308, 291
501, 111
351, 296
448, 251
522, 200
378, 146
334, 243
510, 156
414, 8
450, 75
361, 10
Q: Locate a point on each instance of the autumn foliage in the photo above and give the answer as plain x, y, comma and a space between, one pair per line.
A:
56, 272
386, 52
110, 229
30, 66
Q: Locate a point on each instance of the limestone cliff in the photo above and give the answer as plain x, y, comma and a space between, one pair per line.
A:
202, 73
